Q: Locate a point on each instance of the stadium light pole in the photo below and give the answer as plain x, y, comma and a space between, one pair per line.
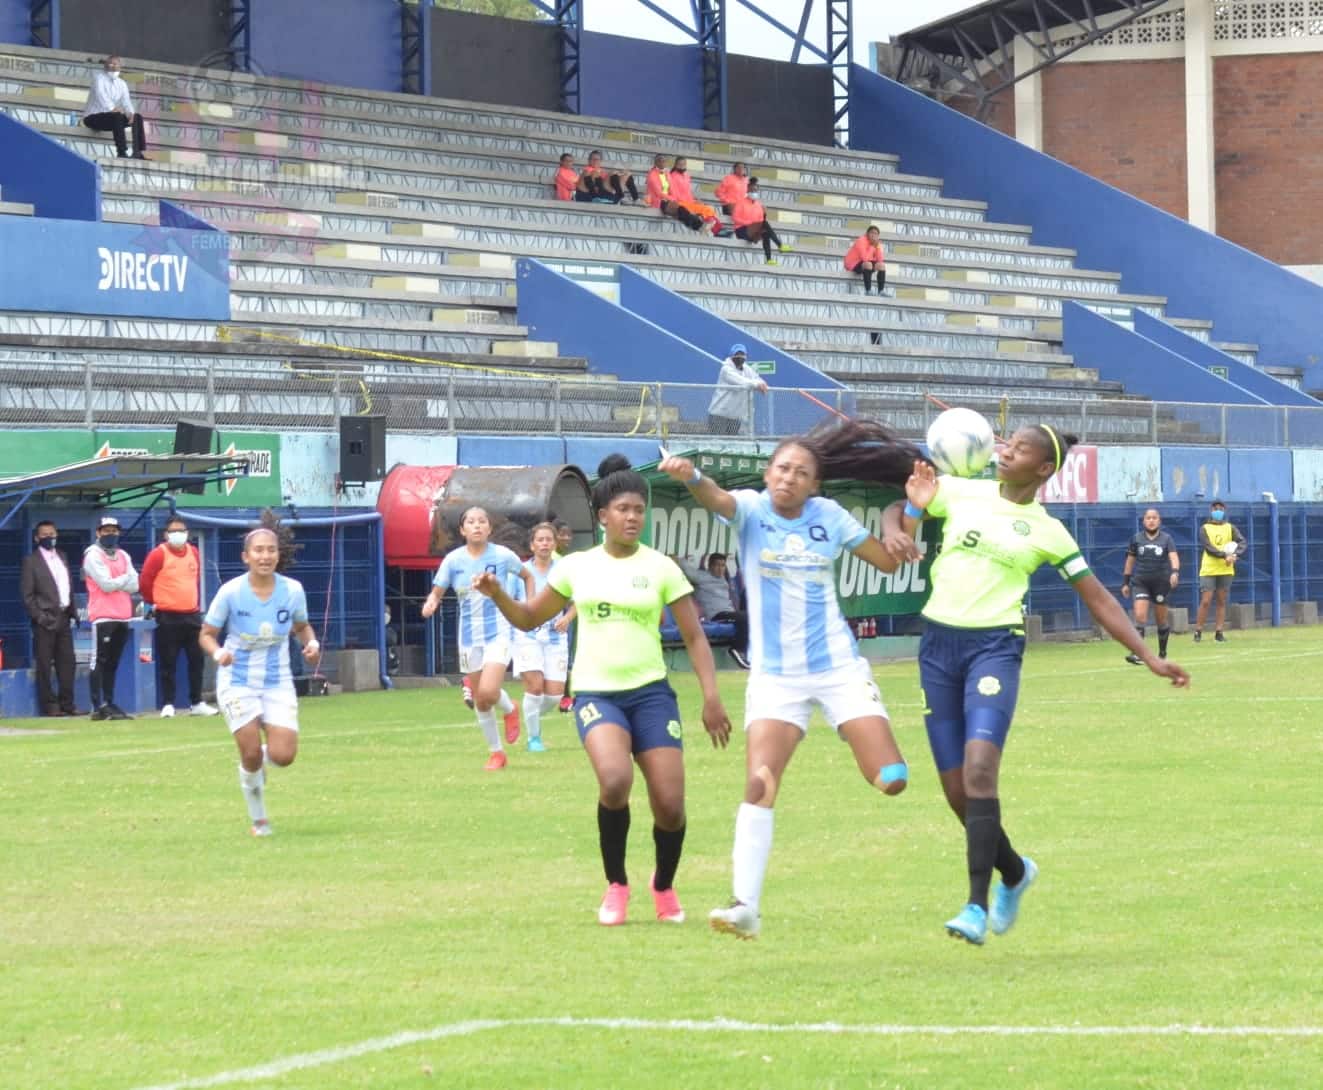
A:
1275, 544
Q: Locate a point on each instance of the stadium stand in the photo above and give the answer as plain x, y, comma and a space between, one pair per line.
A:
381, 222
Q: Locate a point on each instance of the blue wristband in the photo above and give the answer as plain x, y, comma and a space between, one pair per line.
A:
696, 479
912, 512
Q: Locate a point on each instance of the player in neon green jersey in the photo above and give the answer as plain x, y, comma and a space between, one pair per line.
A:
995, 536
625, 710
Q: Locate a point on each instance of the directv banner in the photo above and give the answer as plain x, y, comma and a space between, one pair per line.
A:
123, 269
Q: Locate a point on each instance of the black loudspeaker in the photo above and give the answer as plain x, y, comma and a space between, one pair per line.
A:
193, 438
362, 449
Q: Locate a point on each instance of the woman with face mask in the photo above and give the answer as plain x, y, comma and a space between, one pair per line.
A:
171, 584
750, 219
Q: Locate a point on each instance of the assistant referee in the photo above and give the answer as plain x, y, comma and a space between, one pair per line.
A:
1152, 570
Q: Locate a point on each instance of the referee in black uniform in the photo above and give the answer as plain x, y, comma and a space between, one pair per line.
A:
1152, 570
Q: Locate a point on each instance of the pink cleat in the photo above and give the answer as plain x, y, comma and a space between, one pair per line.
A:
512, 726
667, 903
495, 762
615, 903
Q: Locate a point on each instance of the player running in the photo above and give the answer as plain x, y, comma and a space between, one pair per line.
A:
624, 706
801, 651
485, 640
995, 535
541, 657
1152, 570
259, 611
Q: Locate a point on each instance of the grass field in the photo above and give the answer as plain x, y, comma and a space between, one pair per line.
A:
147, 940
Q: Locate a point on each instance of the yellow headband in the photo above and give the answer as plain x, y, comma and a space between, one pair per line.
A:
1056, 446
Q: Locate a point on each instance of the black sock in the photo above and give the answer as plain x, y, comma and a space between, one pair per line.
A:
1009, 864
612, 835
633, 189
669, 843
982, 832
868, 280
1163, 634
1140, 629
767, 246
881, 280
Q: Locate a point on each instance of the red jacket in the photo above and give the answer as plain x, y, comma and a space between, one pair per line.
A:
658, 187
863, 250
566, 181
174, 591
731, 189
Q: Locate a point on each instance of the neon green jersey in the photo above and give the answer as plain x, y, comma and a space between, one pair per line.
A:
990, 547
620, 602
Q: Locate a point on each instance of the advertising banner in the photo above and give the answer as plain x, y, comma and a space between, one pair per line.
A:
124, 269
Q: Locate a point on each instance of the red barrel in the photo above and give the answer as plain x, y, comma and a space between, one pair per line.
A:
407, 501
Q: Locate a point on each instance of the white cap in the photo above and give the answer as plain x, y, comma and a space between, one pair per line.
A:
108, 520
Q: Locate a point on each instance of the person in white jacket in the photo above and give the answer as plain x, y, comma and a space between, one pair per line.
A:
112, 581
731, 409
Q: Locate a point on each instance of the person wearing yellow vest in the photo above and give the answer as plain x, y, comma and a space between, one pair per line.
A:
170, 583
1220, 546
111, 583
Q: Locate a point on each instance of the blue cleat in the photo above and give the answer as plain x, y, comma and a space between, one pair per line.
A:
971, 925
535, 745
1006, 899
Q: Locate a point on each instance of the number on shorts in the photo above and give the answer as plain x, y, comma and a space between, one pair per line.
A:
589, 714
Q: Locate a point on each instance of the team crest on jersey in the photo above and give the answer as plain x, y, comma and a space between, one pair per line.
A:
265, 630
794, 543
674, 729
1020, 527
641, 582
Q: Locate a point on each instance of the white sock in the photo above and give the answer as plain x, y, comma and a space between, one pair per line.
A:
550, 703
753, 845
533, 714
487, 721
251, 783
265, 759
505, 703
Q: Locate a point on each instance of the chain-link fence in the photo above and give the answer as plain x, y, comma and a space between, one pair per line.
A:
470, 399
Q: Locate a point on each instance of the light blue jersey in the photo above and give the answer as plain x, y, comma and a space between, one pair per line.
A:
789, 569
546, 632
257, 631
480, 622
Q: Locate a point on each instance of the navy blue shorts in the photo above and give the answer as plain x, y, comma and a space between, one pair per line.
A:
970, 679
650, 713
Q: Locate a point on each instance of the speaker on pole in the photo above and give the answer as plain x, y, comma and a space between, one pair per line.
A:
362, 449
193, 438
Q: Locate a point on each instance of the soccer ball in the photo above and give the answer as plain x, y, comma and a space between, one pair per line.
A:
960, 442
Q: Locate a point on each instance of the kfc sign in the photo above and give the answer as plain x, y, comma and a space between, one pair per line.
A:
1076, 481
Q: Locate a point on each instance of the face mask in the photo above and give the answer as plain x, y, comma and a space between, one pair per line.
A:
177, 538
47, 543
113, 73
388, 616
1218, 516
108, 541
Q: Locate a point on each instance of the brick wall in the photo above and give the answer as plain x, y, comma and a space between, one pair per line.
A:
1268, 114
1122, 122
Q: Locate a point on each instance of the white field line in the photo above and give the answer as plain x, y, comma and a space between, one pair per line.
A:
325, 1057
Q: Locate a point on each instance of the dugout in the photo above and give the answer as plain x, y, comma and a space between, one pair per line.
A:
421, 508
73, 496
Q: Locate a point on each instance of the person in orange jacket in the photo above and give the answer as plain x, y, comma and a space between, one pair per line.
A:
732, 188
682, 192
866, 258
606, 184
658, 195
171, 582
567, 179
750, 219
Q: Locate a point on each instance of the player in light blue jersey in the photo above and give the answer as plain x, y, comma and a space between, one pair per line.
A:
254, 687
541, 657
485, 640
801, 650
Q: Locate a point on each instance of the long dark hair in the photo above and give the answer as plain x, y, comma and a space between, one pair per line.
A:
858, 450
286, 550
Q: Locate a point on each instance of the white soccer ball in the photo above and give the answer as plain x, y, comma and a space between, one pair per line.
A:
960, 442
1230, 549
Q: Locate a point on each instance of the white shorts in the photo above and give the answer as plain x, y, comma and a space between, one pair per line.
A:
552, 661
848, 692
274, 707
473, 659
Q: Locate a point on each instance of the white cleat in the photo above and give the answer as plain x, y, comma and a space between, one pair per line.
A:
738, 920
262, 828
168, 712
200, 708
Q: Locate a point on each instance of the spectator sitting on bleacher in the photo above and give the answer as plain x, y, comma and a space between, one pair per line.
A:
682, 192
605, 184
716, 603
567, 179
659, 195
750, 219
109, 109
866, 258
731, 189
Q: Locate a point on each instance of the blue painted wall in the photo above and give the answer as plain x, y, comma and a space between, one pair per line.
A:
1146, 368
1206, 356
513, 450
1188, 472
36, 170
15, 22
587, 454
355, 43
1250, 473
643, 81
1249, 298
